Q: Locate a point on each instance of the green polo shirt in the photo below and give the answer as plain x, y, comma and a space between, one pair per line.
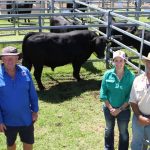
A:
116, 91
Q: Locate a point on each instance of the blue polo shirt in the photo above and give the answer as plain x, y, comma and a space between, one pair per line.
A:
116, 91
18, 97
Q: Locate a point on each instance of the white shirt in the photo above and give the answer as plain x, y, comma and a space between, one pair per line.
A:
140, 94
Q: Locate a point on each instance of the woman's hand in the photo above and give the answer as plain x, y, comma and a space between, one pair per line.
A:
115, 111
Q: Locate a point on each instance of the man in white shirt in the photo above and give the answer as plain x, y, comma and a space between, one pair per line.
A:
140, 103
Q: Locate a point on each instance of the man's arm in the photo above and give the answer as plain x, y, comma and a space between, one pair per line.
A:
135, 109
34, 116
141, 119
2, 126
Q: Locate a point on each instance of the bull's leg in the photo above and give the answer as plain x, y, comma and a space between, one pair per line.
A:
76, 71
37, 74
11, 20
27, 64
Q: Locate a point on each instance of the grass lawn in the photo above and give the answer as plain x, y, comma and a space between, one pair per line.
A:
70, 116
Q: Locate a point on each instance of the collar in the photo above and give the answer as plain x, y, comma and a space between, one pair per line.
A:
144, 77
114, 70
4, 70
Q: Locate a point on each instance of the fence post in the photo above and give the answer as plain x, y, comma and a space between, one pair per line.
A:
40, 23
108, 32
138, 8
52, 6
141, 49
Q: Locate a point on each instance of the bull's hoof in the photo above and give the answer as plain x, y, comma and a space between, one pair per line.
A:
78, 80
10, 20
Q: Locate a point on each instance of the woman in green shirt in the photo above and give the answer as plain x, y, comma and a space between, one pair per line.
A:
115, 91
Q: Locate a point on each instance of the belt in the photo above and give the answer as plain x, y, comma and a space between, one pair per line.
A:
147, 116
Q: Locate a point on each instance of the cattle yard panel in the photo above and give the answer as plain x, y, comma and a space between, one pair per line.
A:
114, 5
49, 6
137, 13
22, 7
38, 6
144, 26
93, 13
16, 8
75, 2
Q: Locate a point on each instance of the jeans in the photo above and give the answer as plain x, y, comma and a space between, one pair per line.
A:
139, 133
122, 120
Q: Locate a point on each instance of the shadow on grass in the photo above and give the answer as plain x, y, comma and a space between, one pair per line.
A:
90, 67
67, 90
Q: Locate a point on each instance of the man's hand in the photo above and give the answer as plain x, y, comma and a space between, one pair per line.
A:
34, 116
2, 127
143, 120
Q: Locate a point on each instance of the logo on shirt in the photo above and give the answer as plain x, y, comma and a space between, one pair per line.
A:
24, 73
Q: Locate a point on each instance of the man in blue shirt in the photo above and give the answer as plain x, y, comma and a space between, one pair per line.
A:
18, 100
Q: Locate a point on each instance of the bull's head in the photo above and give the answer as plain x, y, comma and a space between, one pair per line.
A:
100, 43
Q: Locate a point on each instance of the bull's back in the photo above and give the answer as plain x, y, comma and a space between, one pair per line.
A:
49, 41
58, 39
56, 49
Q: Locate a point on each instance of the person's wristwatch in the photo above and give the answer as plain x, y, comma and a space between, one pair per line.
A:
121, 108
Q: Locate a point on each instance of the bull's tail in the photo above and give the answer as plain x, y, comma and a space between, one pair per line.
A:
25, 59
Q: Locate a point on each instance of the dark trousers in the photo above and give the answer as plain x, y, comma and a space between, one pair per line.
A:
122, 121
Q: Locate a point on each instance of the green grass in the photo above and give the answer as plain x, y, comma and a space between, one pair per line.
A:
70, 116
13, 35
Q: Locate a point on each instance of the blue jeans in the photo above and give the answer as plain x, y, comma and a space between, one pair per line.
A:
122, 120
139, 133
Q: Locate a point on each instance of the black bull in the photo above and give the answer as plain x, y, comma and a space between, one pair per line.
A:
58, 49
78, 6
62, 21
127, 40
